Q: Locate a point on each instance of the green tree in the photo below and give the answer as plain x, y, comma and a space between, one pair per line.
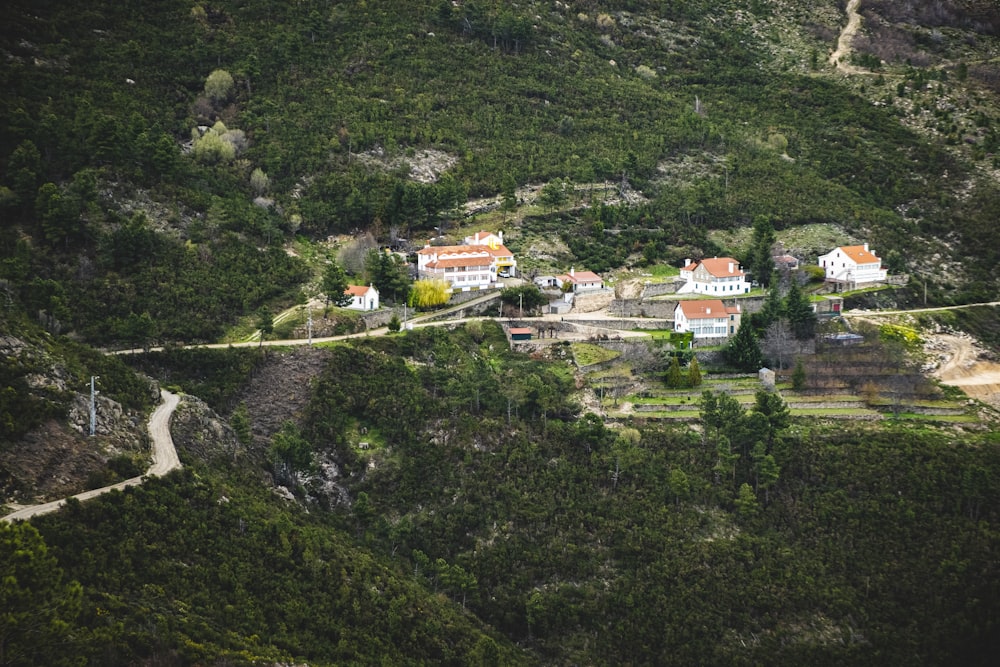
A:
694, 372
290, 450
430, 293
25, 170
240, 421
553, 194
37, 608
743, 350
746, 501
674, 377
508, 195
759, 258
219, 86
773, 308
799, 375
394, 324
389, 273
265, 324
335, 285
259, 181
774, 408
799, 312
680, 485
526, 296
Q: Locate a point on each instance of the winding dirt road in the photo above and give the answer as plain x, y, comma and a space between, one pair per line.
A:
164, 460
838, 57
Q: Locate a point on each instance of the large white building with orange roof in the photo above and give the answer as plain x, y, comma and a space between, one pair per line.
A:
707, 318
854, 264
476, 265
719, 276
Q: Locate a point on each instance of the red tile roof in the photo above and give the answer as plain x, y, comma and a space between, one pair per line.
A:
452, 249
720, 267
456, 262
860, 254
699, 309
357, 290
580, 277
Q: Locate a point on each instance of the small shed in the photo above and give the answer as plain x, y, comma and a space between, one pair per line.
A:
520, 333
766, 376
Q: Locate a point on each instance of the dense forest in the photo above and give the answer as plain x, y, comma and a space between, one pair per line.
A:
172, 171
490, 524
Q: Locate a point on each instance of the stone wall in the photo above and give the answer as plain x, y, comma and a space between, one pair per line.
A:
591, 301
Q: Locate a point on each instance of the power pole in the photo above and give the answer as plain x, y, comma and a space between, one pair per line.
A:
93, 404
309, 326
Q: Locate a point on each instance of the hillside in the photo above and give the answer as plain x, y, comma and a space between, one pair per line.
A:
177, 172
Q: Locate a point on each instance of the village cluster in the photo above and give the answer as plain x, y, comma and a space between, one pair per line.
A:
483, 262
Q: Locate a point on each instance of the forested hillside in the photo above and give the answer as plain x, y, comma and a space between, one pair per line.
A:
173, 172
312, 118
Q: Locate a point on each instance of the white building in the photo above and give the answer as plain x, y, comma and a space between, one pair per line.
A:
708, 318
363, 297
476, 265
579, 281
853, 264
719, 276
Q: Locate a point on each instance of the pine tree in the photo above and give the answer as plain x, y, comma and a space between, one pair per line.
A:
335, 285
759, 259
798, 376
743, 350
799, 312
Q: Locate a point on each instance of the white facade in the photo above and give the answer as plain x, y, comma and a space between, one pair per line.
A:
580, 281
363, 297
852, 264
706, 318
476, 265
719, 276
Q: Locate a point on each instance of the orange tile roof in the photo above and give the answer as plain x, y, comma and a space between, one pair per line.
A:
719, 267
455, 262
698, 309
860, 254
520, 330
450, 249
357, 290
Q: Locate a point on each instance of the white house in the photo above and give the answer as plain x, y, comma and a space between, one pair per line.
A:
476, 265
363, 297
708, 318
852, 264
719, 276
506, 265
579, 281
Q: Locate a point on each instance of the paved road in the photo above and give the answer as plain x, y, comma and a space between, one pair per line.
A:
164, 460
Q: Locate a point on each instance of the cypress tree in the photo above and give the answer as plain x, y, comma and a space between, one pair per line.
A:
694, 373
674, 378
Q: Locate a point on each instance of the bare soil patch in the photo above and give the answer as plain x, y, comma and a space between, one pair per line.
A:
963, 366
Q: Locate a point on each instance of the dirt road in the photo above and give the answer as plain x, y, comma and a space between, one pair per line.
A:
164, 460
963, 369
838, 57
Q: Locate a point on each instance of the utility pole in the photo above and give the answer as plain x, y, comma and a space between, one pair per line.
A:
309, 326
520, 305
93, 404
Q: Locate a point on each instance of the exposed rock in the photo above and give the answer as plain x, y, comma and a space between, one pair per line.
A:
200, 433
